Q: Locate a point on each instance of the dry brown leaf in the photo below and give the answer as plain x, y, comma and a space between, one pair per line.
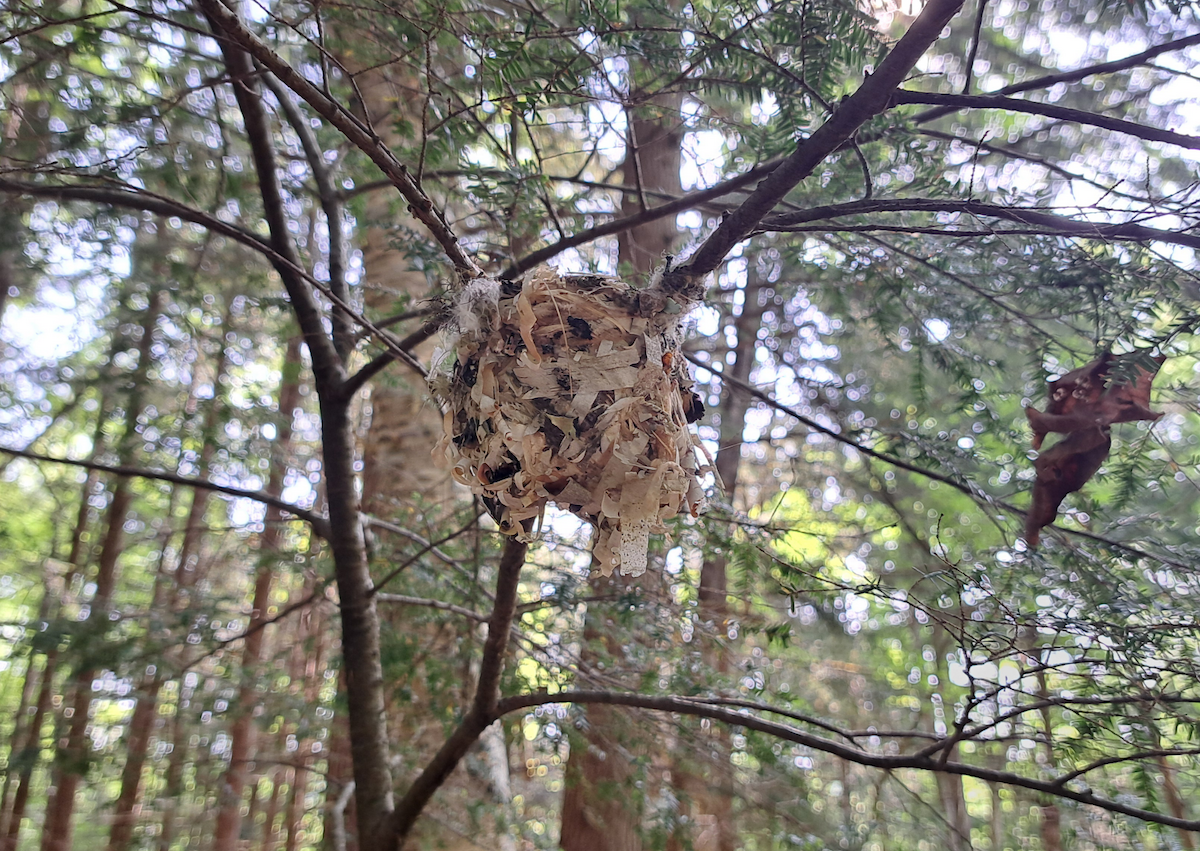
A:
1093, 396
1083, 404
1062, 469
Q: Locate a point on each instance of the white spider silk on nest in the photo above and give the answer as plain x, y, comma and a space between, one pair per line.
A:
569, 390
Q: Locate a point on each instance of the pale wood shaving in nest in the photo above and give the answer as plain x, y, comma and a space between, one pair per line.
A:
560, 390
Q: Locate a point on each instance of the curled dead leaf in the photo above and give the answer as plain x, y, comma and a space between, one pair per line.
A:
1083, 404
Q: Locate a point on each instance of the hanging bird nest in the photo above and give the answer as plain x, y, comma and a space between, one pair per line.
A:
572, 390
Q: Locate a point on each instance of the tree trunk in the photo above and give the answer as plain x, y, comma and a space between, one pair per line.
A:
1051, 821
597, 814
705, 782
403, 483
136, 743
73, 754
996, 822
954, 806
168, 593
76, 560
244, 733
602, 805
141, 723
35, 700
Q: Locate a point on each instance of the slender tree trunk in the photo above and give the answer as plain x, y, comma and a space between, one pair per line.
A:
602, 804
141, 723
73, 755
21, 721
136, 743
361, 655
76, 560
954, 805
272, 811
1051, 821
705, 782
1175, 801
176, 599
31, 716
295, 808
24, 137
597, 814
996, 822
244, 732
173, 781
308, 669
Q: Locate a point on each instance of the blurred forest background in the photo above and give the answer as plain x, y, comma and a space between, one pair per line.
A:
208, 277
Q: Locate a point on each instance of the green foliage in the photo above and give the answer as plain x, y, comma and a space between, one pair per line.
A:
882, 598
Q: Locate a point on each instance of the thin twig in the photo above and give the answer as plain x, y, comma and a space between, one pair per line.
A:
319, 524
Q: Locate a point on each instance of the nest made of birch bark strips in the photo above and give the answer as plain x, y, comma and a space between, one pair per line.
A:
568, 390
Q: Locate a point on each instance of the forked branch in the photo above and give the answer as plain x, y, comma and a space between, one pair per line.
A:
419, 203
483, 709
850, 753
872, 98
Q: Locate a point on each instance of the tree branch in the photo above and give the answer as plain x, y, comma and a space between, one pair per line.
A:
963, 487
1048, 110
1058, 225
427, 603
397, 350
426, 547
419, 204
687, 706
133, 198
872, 98
1075, 76
625, 223
331, 205
319, 524
483, 709
328, 368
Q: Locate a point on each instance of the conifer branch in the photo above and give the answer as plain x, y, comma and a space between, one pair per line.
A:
319, 524
886, 762
871, 98
1048, 110
1050, 224
232, 28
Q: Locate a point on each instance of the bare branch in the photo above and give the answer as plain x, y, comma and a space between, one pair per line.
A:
1075, 76
133, 198
483, 709
872, 98
419, 204
424, 602
1048, 110
417, 539
328, 368
331, 205
1049, 222
426, 547
679, 205
689, 706
974, 51
287, 610
963, 487
319, 524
